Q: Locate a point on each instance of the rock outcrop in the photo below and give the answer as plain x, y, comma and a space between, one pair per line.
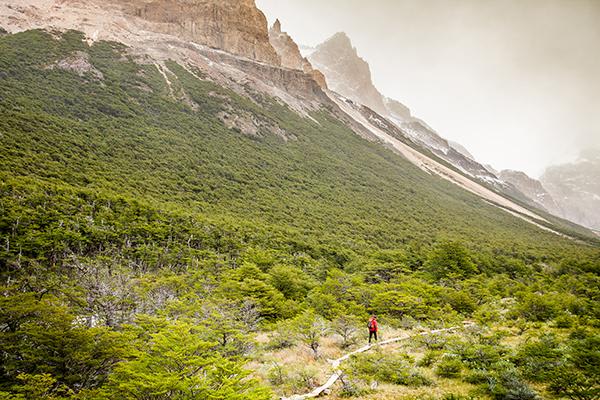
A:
235, 26
576, 189
532, 188
347, 73
290, 55
397, 110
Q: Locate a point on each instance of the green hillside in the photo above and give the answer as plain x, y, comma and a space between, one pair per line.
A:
145, 245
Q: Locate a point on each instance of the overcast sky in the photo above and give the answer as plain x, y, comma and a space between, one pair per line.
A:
515, 81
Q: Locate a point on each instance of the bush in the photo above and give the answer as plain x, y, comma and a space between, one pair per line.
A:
389, 368
460, 301
449, 367
430, 357
479, 355
537, 307
450, 260
538, 359
505, 383
564, 321
574, 384
452, 396
476, 376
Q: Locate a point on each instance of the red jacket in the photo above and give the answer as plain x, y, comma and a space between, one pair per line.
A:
373, 327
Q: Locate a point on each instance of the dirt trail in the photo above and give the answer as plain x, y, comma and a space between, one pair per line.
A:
321, 390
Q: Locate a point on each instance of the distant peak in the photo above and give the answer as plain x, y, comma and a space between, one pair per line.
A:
340, 39
277, 26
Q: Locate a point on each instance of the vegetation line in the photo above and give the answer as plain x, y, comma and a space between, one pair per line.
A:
336, 363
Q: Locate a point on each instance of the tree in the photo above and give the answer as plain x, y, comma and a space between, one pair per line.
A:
450, 260
309, 328
175, 362
41, 337
346, 326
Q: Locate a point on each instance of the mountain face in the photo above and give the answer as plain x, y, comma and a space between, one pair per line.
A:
576, 189
462, 150
350, 76
347, 73
235, 26
533, 189
290, 55
229, 44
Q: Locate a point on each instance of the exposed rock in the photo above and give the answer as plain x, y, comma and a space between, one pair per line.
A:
350, 76
149, 42
461, 149
347, 73
249, 124
423, 134
397, 110
290, 55
79, 63
532, 188
576, 189
236, 26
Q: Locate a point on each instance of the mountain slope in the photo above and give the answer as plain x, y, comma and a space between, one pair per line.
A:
576, 189
192, 157
350, 76
178, 221
532, 189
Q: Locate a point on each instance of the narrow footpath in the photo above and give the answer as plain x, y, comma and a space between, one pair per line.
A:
335, 364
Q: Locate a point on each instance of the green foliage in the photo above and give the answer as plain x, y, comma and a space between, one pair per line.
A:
574, 384
293, 380
309, 328
450, 260
540, 358
346, 327
175, 362
449, 367
460, 300
291, 281
505, 383
389, 368
44, 343
538, 307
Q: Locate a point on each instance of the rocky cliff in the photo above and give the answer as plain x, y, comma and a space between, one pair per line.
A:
532, 188
397, 110
347, 73
576, 189
236, 26
290, 56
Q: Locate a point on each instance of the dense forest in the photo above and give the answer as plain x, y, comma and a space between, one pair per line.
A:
149, 252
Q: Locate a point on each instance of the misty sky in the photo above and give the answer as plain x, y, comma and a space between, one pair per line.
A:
515, 81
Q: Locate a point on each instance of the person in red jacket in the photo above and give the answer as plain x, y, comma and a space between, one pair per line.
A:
372, 325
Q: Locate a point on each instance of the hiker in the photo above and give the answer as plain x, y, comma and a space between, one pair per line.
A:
372, 325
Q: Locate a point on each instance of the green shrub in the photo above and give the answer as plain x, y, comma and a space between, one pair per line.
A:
450, 260
430, 357
476, 376
537, 307
564, 321
539, 358
452, 396
505, 383
449, 367
574, 384
389, 368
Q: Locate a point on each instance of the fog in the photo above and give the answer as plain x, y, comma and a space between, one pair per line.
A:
515, 81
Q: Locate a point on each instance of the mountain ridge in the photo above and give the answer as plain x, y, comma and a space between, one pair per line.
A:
295, 88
